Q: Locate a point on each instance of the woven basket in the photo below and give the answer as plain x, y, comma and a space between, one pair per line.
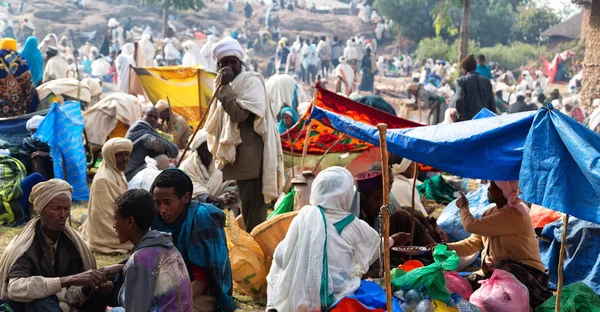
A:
271, 232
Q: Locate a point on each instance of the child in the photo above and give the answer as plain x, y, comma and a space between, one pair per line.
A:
156, 278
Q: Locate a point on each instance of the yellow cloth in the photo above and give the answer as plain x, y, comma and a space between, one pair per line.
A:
40, 196
109, 183
120, 130
189, 88
502, 234
8, 44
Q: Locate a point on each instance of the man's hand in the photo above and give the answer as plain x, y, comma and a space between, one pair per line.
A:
217, 201
90, 278
400, 239
105, 288
462, 202
110, 271
226, 75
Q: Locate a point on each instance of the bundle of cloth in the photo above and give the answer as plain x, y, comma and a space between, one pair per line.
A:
102, 118
83, 90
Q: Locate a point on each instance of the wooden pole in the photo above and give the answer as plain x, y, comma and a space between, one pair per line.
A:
198, 71
170, 123
418, 101
561, 261
385, 214
412, 210
305, 147
326, 152
202, 118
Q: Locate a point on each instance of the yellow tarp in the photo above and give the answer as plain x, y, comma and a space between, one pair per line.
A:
189, 88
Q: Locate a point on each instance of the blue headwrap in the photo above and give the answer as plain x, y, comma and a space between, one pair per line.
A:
290, 111
34, 59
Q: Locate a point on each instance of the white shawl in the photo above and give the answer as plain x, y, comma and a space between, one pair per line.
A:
224, 134
294, 281
123, 71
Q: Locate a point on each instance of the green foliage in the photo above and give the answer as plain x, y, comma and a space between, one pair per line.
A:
435, 48
412, 16
180, 5
513, 56
532, 21
491, 24
452, 55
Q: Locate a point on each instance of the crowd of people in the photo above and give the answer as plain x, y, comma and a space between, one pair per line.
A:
173, 229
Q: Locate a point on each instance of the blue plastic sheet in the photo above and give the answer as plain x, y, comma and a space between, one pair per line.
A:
561, 166
484, 113
582, 255
62, 129
372, 296
489, 148
13, 130
449, 220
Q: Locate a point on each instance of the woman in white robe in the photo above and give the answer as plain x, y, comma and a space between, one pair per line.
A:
122, 62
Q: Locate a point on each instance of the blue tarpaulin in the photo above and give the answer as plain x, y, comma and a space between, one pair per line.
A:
556, 159
62, 129
582, 256
561, 166
488, 148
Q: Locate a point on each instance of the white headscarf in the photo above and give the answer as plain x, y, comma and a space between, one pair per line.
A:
33, 123
123, 61
171, 52
294, 281
227, 47
192, 55
206, 52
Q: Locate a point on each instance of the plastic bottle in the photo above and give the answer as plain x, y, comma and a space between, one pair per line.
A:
407, 307
400, 293
425, 305
414, 295
463, 305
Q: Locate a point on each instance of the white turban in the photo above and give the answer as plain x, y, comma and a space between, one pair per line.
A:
162, 105
113, 23
402, 167
33, 123
201, 137
43, 193
227, 47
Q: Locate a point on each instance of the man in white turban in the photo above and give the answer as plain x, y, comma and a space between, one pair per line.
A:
242, 133
47, 267
173, 124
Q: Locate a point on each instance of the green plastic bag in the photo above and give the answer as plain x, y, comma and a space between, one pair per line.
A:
577, 297
431, 276
286, 205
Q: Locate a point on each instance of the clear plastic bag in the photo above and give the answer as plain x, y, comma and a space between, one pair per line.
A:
501, 292
145, 178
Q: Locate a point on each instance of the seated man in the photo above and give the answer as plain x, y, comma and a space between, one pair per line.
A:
156, 278
108, 184
47, 267
208, 181
370, 187
148, 142
174, 124
33, 153
199, 236
506, 236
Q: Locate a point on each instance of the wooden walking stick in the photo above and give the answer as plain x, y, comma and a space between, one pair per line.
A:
412, 210
561, 261
202, 118
384, 214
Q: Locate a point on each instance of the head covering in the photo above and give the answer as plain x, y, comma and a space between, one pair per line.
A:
468, 63
8, 44
369, 181
290, 112
201, 138
510, 190
111, 148
333, 190
413, 87
52, 51
343, 60
402, 166
521, 93
162, 105
44, 192
33, 123
227, 47
34, 59
113, 23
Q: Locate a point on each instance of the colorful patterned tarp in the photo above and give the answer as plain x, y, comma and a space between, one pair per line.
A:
322, 136
189, 88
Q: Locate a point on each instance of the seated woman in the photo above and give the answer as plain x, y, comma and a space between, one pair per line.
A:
208, 181
288, 118
326, 250
505, 234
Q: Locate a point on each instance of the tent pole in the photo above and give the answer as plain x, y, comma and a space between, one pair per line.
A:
292, 153
412, 210
199, 93
561, 261
326, 152
202, 118
305, 147
384, 214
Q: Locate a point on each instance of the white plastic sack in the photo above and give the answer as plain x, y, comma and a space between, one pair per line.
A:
145, 178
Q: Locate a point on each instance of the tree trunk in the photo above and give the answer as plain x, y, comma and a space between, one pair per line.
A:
586, 20
591, 63
165, 21
463, 44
